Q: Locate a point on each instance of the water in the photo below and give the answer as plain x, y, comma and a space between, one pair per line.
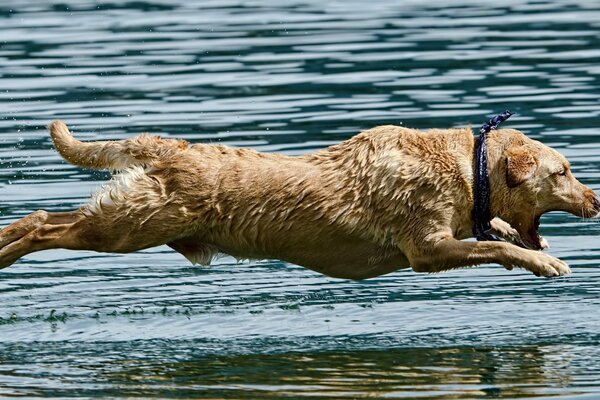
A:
291, 76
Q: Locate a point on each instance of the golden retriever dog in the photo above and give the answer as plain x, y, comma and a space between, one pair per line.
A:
385, 199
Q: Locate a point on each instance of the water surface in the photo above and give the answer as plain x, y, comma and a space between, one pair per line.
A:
291, 77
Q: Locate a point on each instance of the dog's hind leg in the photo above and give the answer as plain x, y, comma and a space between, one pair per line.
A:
133, 212
30, 233
22, 227
80, 230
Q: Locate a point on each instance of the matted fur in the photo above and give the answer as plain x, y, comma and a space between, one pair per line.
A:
388, 198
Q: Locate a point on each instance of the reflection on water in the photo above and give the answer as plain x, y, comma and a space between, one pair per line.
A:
291, 76
180, 368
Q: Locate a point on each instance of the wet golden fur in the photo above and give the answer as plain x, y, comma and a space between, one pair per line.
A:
386, 199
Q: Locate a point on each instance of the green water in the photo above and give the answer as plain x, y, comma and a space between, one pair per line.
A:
291, 77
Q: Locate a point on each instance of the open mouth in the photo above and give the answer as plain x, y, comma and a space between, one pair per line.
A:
531, 239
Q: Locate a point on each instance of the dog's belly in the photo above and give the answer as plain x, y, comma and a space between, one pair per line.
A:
336, 256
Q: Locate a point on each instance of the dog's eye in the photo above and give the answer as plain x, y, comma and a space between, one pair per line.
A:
562, 173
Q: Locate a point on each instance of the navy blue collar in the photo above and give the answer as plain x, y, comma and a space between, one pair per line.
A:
481, 188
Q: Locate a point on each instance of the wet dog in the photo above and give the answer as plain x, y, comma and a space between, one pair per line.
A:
386, 199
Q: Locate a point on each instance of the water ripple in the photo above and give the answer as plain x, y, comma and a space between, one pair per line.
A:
291, 77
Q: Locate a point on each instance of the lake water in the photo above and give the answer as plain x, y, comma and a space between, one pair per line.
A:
292, 76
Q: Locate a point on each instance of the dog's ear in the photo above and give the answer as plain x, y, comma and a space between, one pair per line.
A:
521, 164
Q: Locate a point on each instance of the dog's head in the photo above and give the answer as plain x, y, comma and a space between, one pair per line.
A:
529, 179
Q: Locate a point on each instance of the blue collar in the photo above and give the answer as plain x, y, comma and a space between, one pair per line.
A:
481, 211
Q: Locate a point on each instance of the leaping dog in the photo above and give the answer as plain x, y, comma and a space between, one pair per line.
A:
385, 199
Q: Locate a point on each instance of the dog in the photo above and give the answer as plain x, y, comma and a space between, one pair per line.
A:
386, 199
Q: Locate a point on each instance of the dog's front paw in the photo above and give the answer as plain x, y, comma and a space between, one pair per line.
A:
545, 265
505, 231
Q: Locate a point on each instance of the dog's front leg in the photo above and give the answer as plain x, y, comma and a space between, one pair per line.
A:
504, 230
507, 232
446, 253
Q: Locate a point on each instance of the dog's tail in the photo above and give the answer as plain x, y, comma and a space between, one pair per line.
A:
116, 155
